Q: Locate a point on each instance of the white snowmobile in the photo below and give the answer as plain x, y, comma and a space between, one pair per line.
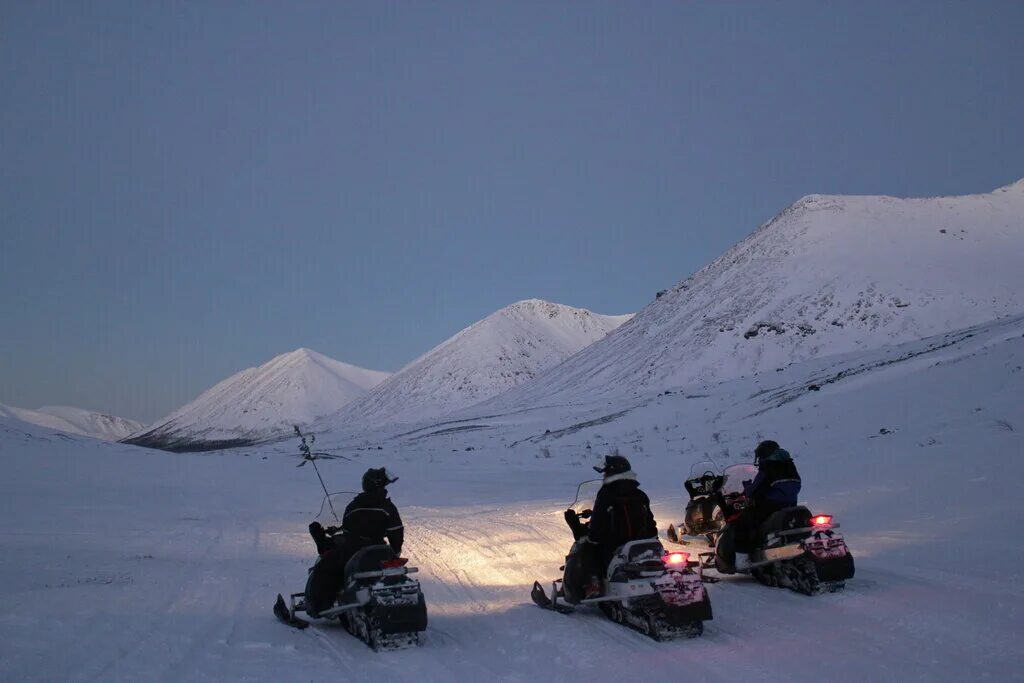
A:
794, 549
379, 603
657, 593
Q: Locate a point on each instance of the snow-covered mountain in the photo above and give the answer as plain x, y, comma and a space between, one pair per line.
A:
75, 421
503, 350
828, 275
291, 389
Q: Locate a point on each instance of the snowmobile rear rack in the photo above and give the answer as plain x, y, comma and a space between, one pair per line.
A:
389, 571
803, 530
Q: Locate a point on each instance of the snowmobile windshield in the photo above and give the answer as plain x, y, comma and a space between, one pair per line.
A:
333, 506
735, 475
586, 494
699, 469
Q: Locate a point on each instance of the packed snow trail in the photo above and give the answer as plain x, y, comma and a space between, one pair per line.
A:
179, 583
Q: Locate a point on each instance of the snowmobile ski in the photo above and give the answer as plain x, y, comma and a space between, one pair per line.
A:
541, 599
282, 612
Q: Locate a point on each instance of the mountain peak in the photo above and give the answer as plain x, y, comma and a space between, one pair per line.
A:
296, 387
538, 307
828, 275
300, 354
507, 348
76, 421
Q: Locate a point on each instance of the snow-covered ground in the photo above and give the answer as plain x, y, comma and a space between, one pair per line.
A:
121, 563
75, 421
294, 388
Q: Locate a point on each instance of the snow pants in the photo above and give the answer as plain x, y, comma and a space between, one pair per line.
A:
327, 576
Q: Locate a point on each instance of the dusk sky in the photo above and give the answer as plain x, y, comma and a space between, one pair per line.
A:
188, 189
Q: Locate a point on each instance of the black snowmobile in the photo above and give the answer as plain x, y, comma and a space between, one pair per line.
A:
715, 498
704, 516
379, 603
794, 549
657, 593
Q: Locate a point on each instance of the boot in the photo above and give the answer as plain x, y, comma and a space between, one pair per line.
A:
593, 588
323, 544
742, 561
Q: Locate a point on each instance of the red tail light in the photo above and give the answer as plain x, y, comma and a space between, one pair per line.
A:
397, 562
822, 520
676, 558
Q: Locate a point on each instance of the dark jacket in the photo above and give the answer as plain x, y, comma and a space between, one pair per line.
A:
371, 517
622, 513
777, 481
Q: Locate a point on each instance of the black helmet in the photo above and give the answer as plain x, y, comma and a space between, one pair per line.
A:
375, 479
764, 449
614, 464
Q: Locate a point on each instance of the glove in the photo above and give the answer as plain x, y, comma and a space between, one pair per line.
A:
331, 530
571, 518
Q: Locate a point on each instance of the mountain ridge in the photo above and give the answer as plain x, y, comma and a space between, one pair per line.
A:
293, 388
502, 350
829, 274
76, 421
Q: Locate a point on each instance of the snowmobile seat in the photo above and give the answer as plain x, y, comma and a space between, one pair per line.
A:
369, 559
643, 549
642, 555
797, 517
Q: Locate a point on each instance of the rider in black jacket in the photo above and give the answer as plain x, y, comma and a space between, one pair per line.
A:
368, 520
775, 487
621, 513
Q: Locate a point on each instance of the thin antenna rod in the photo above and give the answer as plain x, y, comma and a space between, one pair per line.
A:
304, 447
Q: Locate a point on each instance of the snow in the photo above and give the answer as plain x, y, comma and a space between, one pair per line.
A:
879, 340
121, 563
505, 349
828, 275
75, 421
294, 388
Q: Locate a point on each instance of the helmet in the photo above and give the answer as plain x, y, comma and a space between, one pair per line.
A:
614, 464
375, 479
764, 450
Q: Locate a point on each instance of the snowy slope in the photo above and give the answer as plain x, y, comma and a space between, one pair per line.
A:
828, 275
167, 571
293, 388
76, 421
501, 351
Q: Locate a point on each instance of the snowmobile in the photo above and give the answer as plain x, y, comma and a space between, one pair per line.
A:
713, 499
795, 549
379, 603
657, 593
703, 516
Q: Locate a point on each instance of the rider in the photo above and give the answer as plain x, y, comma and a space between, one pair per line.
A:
621, 513
368, 519
775, 487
